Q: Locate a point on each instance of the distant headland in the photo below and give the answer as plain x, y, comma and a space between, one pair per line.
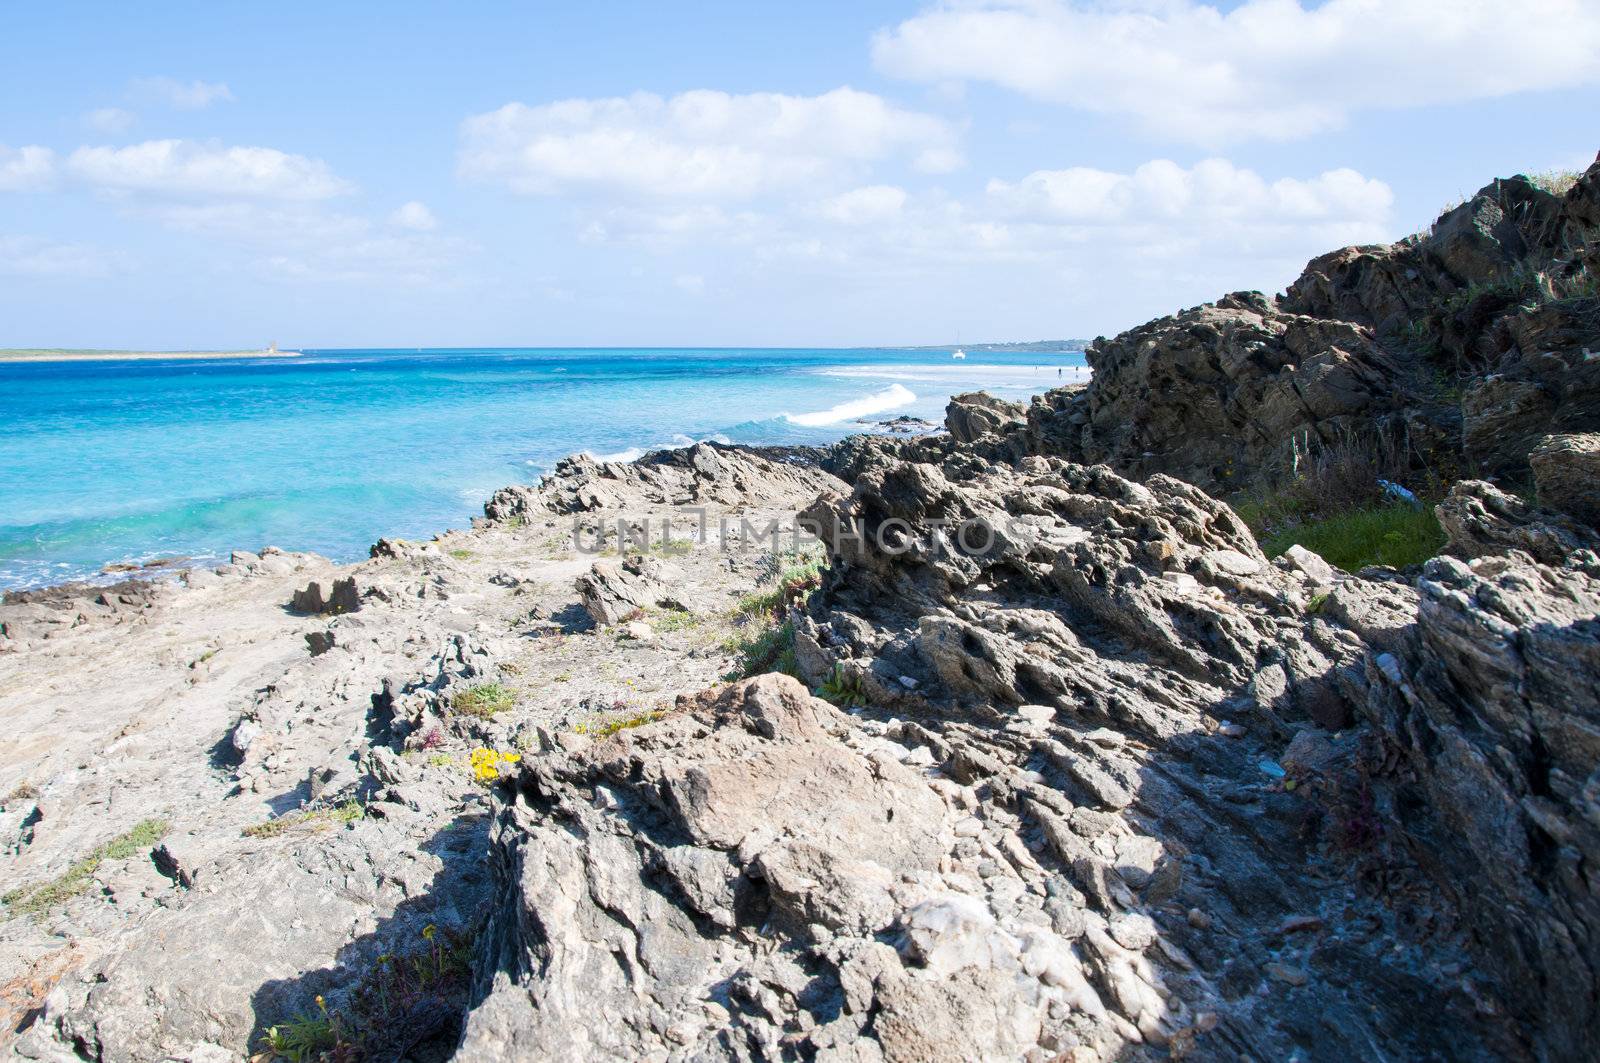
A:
53, 354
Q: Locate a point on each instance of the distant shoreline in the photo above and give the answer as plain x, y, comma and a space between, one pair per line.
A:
48, 355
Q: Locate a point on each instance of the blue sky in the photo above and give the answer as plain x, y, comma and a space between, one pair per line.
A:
190, 175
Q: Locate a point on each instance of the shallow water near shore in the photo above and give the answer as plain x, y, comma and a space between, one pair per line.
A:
111, 462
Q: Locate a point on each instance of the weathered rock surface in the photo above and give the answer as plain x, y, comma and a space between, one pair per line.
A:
1566, 470
1478, 519
978, 413
1492, 708
704, 474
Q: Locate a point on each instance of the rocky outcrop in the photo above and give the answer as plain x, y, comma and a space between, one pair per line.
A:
704, 474
1492, 707
1566, 470
1479, 519
611, 590
746, 863
978, 413
1459, 348
1164, 718
341, 596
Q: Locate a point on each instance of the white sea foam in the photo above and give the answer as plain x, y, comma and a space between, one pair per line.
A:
977, 374
892, 397
678, 443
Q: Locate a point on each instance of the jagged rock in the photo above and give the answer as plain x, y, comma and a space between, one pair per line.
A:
1462, 345
611, 590
1567, 472
703, 474
339, 598
1137, 615
978, 413
769, 837
1495, 709
1478, 519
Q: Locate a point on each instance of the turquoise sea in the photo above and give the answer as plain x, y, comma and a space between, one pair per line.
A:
106, 462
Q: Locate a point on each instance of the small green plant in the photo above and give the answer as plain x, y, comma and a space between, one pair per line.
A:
518, 521
1317, 603
605, 726
792, 584
460, 554
316, 818
842, 688
483, 700
1393, 535
303, 1038
668, 620
769, 649
75, 880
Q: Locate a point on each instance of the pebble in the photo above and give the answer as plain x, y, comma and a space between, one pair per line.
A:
1282, 972
970, 827
1229, 729
1199, 920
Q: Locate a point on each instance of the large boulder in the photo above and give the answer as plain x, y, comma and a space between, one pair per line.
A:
978, 413
1479, 519
1566, 469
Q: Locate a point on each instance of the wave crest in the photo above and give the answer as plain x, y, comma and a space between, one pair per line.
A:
892, 397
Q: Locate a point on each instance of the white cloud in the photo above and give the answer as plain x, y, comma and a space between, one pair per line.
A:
27, 169
414, 216
1274, 69
1100, 248
35, 257
111, 120
187, 168
699, 145
302, 241
1213, 191
862, 205
186, 96
690, 283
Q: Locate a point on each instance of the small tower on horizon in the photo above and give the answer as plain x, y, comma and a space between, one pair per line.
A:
272, 348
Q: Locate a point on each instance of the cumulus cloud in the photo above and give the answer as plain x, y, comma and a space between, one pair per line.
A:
112, 120
184, 95
414, 216
187, 168
1275, 69
27, 169
860, 206
1212, 191
699, 145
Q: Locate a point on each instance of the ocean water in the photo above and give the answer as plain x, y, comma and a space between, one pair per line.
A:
105, 462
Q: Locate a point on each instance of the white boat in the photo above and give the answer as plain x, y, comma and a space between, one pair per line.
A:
958, 353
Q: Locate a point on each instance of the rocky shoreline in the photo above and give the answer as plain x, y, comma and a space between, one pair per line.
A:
1107, 783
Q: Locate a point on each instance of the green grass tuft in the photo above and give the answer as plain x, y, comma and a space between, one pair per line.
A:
842, 689
1392, 535
483, 700
319, 818
75, 880
768, 649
